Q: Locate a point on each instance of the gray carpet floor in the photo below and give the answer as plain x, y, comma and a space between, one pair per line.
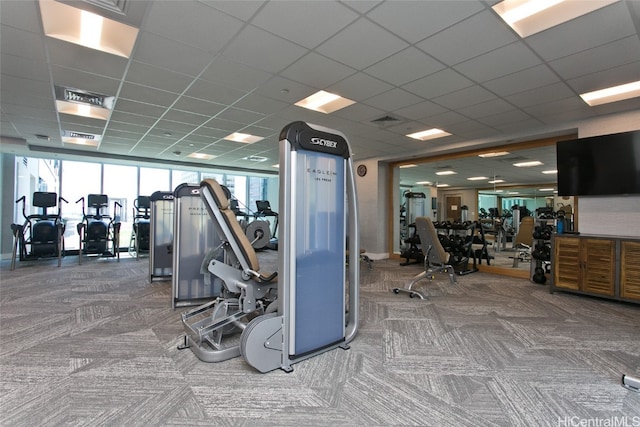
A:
96, 345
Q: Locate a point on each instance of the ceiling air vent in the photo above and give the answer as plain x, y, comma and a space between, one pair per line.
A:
385, 120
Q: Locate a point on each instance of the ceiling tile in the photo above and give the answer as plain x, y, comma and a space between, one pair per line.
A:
541, 95
479, 34
359, 87
243, 10
437, 84
175, 20
610, 55
377, 45
134, 107
613, 76
317, 71
212, 92
393, 100
521, 81
18, 42
404, 67
514, 57
468, 96
290, 20
262, 50
148, 75
147, 95
600, 27
487, 108
417, 20
233, 74
420, 110
169, 54
84, 81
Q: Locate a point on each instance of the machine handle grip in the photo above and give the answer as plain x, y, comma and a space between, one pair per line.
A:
80, 199
21, 199
63, 199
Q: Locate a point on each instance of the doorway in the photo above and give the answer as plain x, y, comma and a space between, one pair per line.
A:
453, 208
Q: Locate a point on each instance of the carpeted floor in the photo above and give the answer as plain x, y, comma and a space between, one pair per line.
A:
96, 345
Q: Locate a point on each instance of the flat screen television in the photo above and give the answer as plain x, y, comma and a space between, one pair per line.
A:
599, 165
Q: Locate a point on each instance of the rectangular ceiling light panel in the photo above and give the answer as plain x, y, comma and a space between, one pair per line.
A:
80, 138
528, 17
426, 135
324, 102
612, 94
87, 29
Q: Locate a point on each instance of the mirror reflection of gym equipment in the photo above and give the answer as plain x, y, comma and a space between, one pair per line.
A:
490, 201
42, 234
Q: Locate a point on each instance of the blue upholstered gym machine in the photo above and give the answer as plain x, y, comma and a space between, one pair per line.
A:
313, 306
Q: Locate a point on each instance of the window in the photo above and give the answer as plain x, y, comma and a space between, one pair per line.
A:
78, 180
120, 183
152, 180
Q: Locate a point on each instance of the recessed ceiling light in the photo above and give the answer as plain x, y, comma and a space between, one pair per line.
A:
243, 137
494, 154
324, 102
528, 164
201, 156
499, 191
496, 181
448, 172
550, 172
78, 26
410, 165
546, 189
428, 134
612, 94
528, 17
424, 183
477, 178
513, 192
277, 165
254, 158
442, 185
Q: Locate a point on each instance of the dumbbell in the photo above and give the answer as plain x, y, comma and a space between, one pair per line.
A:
539, 276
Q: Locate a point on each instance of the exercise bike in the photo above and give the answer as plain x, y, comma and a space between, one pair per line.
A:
99, 233
41, 235
139, 242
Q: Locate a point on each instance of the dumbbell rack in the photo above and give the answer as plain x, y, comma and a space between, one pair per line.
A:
545, 264
460, 236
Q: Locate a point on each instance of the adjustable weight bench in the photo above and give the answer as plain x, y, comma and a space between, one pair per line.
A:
436, 259
246, 293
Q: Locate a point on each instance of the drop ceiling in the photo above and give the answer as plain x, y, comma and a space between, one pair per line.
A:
201, 70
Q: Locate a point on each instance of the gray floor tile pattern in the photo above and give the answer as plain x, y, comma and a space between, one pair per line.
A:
95, 344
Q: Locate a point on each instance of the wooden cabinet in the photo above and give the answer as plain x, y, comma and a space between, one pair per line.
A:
597, 265
630, 270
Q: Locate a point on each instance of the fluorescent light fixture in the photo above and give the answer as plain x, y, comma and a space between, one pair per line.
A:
324, 102
254, 158
513, 192
448, 172
477, 178
78, 26
494, 154
442, 185
80, 138
499, 191
546, 189
410, 165
243, 137
83, 110
201, 156
424, 183
612, 94
277, 165
528, 17
528, 164
496, 181
550, 172
428, 134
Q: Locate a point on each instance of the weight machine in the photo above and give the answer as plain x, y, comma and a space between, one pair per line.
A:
99, 233
41, 235
140, 235
310, 313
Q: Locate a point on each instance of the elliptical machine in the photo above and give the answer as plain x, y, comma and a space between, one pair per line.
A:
99, 233
140, 236
41, 235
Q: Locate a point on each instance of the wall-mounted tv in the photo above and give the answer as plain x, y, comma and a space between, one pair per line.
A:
599, 165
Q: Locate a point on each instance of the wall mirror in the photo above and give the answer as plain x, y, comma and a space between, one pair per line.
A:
497, 187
